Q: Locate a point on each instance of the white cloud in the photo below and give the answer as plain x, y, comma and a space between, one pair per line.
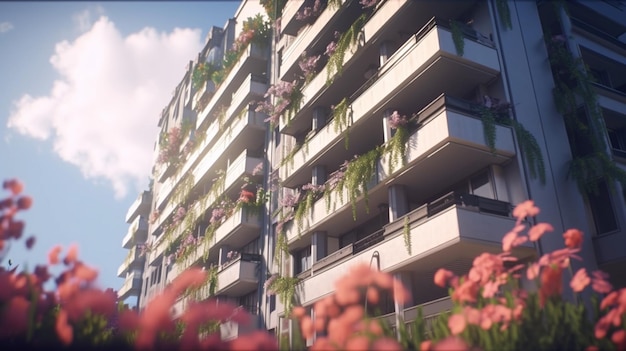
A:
5, 27
101, 115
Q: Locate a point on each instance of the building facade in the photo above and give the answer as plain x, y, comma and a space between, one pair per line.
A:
398, 133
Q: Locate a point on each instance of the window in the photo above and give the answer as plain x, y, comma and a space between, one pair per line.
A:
251, 247
479, 185
302, 260
602, 210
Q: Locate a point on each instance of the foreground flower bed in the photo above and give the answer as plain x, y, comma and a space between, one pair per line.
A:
491, 309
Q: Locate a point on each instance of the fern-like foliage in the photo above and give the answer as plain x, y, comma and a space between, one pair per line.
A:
359, 173
504, 13
347, 39
457, 37
407, 234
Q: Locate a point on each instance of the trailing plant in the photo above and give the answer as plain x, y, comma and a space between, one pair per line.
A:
396, 146
347, 39
590, 164
504, 13
457, 37
287, 99
305, 206
342, 114
335, 4
358, 174
492, 112
406, 232
285, 288
169, 147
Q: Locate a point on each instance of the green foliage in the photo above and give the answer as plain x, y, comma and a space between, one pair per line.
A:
285, 288
273, 8
590, 164
532, 151
527, 142
202, 73
504, 13
457, 37
396, 147
359, 173
335, 4
406, 232
347, 39
341, 119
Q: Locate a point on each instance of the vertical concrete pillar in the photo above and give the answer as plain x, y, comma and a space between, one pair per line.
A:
319, 247
398, 202
405, 278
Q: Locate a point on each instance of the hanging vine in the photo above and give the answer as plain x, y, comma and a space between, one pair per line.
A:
345, 41
396, 146
492, 112
406, 232
590, 164
504, 13
341, 119
358, 174
457, 37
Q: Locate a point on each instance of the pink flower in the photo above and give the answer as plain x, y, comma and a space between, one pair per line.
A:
511, 240
538, 230
451, 343
551, 283
525, 209
580, 280
396, 120
599, 282
442, 276
457, 324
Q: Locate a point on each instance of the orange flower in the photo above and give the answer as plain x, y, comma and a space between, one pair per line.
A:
451, 343
24, 202
64, 330
551, 284
573, 238
466, 292
580, 280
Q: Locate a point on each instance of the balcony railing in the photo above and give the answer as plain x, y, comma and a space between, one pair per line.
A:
428, 210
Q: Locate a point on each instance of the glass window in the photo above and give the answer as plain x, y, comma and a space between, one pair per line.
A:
602, 210
481, 185
303, 260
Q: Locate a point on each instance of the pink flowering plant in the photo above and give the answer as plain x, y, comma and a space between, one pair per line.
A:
286, 101
169, 147
309, 65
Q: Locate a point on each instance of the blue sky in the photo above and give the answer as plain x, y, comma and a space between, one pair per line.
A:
82, 86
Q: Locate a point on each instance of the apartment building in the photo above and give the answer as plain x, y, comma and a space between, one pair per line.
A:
399, 133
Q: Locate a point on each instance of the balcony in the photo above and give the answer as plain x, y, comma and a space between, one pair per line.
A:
245, 132
231, 330
442, 232
131, 286
252, 61
449, 142
141, 206
288, 21
237, 230
205, 92
239, 276
134, 258
415, 76
137, 233
425, 66
314, 32
371, 32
